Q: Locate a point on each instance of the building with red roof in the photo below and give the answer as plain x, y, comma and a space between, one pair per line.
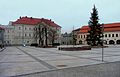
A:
34, 21
111, 34
24, 30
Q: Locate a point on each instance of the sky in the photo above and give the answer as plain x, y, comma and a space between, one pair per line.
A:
66, 13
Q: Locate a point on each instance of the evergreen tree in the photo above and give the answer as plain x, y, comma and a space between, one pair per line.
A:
95, 33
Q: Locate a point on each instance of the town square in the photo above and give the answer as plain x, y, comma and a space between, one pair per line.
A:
59, 38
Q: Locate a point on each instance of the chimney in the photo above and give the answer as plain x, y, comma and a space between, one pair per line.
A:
20, 17
31, 18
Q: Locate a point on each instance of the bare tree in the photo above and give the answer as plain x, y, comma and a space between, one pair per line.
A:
46, 36
52, 35
38, 35
42, 33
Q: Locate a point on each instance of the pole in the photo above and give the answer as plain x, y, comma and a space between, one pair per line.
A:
102, 43
73, 36
23, 35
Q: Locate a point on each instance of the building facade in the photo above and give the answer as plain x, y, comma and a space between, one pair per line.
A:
23, 30
111, 34
9, 35
2, 30
66, 39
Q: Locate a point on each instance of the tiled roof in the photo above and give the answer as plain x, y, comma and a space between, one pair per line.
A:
111, 27
2, 28
34, 21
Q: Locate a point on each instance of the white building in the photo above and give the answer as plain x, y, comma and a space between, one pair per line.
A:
22, 31
9, 35
111, 34
67, 39
2, 30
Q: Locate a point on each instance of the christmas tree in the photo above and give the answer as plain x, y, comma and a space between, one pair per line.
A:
95, 30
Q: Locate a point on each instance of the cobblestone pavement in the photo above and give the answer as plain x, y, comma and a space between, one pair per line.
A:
24, 60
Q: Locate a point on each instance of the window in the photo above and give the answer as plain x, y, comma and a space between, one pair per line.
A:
29, 35
19, 28
84, 36
34, 28
112, 35
25, 28
116, 35
8, 42
29, 28
109, 35
81, 36
105, 35
25, 34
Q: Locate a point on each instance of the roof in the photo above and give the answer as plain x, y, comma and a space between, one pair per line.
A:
78, 29
111, 27
34, 21
2, 27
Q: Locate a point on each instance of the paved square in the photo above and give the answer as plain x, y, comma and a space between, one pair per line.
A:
24, 60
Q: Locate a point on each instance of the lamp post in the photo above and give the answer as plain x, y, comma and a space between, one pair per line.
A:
73, 37
102, 42
23, 36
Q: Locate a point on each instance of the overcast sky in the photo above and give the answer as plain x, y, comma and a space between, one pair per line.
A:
66, 13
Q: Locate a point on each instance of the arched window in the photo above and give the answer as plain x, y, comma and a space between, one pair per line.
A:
118, 42
111, 42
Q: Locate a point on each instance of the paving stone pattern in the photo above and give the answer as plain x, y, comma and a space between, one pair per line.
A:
98, 70
20, 60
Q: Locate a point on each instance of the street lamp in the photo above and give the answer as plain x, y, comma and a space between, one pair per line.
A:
102, 25
23, 36
73, 36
